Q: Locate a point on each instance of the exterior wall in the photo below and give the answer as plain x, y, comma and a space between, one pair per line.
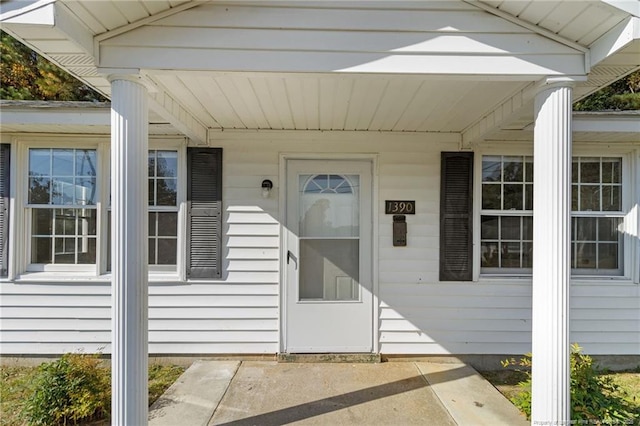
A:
240, 313
349, 37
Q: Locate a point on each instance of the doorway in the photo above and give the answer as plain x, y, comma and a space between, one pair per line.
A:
328, 261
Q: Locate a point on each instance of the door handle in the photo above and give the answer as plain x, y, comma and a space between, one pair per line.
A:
291, 256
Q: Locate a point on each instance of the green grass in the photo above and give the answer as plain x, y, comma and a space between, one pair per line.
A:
506, 381
160, 378
629, 381
16, 385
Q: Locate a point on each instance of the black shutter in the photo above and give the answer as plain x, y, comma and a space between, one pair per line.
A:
204, 210
5, 152
456, 216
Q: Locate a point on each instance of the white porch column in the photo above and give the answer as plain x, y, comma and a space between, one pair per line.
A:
551, 255
129, 295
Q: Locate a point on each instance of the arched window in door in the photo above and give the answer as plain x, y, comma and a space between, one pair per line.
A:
328, 184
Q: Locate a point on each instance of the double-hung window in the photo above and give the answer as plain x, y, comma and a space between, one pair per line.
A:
67, 215
597, 217
164, 205
61, 208
163, 208
506, 218
506, 215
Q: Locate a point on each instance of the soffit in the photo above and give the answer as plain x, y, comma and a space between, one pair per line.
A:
102, 16
334, 102
581, 22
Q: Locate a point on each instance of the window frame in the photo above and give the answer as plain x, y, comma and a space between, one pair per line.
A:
25, 209
620, 214
163, 271
21, 246
630, 156
501, 213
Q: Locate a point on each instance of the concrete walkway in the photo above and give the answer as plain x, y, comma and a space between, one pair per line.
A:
392, 393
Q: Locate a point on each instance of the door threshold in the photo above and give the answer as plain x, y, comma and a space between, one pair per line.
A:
355, 358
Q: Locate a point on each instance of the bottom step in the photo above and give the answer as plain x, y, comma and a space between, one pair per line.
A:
346, 358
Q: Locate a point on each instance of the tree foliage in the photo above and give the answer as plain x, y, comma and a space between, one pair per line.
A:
624, 94
25, 75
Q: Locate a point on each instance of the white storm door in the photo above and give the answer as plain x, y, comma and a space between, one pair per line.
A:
329, 300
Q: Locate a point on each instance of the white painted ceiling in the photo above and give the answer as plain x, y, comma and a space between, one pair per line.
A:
334, 102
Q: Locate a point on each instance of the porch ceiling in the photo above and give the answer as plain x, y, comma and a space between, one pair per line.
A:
333, 102
77, 35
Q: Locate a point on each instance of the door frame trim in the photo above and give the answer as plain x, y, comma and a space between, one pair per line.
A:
282, 209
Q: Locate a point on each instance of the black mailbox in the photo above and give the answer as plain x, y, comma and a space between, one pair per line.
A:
399, 230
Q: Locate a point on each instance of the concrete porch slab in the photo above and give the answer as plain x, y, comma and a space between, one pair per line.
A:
468, 397
243, 393
271, 393
193, 398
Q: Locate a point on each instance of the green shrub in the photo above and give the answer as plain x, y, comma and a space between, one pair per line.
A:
595, 399
71, 389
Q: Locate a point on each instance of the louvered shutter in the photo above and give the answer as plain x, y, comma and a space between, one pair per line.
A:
5, 152
456, 216
204, 209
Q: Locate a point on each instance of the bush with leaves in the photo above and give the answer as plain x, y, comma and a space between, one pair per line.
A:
595, 399
71, 389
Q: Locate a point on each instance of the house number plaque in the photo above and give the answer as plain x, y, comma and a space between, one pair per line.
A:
399, 207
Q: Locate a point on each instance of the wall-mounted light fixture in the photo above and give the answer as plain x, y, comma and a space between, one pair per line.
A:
267, 185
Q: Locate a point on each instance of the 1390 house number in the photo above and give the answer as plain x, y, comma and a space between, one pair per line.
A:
400, 207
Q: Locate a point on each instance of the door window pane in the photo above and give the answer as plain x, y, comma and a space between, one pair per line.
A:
329, 269
329, 206
329, 209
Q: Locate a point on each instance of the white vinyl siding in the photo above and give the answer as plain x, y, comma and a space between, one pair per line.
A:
239, 313
409, 38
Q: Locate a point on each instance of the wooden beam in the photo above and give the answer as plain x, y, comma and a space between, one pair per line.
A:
57, 117
502, 114
292, 38
171, 110
619, 37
